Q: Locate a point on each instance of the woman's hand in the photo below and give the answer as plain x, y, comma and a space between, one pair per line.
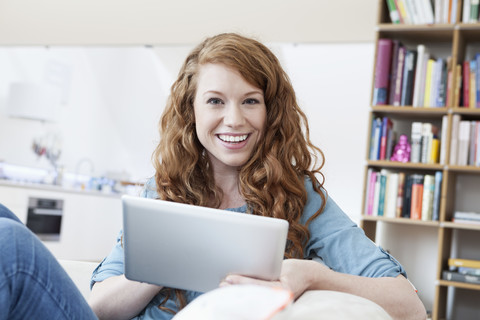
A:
296, 276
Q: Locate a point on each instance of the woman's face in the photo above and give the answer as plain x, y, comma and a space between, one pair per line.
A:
230, 115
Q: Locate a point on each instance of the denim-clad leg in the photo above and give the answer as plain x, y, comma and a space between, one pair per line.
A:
32, 283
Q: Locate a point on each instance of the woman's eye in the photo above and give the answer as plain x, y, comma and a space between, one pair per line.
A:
214, 101
250, 101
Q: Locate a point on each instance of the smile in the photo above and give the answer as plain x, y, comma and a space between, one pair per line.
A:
233, 139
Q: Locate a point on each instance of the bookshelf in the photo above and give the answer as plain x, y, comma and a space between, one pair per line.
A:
459, 41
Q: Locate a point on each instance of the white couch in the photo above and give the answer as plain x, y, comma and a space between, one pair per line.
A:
311, 305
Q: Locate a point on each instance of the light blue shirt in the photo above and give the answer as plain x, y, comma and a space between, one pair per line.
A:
335, 240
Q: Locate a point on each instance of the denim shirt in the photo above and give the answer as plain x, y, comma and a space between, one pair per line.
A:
335, 240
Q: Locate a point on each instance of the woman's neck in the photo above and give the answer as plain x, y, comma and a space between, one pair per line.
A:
227, 181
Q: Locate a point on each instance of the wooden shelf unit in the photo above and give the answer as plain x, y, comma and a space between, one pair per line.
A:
457, 37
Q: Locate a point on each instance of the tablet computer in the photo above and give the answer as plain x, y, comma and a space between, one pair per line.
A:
193, 248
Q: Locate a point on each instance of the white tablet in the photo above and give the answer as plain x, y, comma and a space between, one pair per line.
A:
193, 248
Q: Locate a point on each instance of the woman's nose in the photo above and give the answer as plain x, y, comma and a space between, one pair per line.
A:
233, 116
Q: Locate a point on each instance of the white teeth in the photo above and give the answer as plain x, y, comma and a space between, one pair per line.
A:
227, 138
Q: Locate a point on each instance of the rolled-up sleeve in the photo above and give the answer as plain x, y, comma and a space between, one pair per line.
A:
341, 245
112, 265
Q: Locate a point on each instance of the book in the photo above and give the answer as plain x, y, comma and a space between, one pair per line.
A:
442, 90
477, 154
458, 277
463, 143
454, 139
392, 9
477, 80
375, 139
473, 143
427, 11
417, 197
400, 194
473, 94
464, 217
426, 142
455, 262
457, 92
473, 11
387, 126
376, 194
437, 196
402, 11
428, 83
382, 191
408, 78
443, 145
466, 83
407, 196
416, 142
382, 69
399, 76
396, 44
466, 11
391, 195
438, 11
419, 76
427, 199
372, 175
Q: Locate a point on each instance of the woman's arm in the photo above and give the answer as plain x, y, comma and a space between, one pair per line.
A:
120, 298
396, 295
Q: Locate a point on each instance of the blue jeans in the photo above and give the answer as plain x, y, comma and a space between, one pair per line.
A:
33, 285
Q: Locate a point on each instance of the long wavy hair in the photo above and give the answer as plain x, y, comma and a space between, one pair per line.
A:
272, 181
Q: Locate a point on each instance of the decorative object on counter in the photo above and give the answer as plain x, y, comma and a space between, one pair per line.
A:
50, 146
402, 150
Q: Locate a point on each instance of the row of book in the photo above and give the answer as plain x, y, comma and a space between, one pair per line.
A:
466, 217
462, 270
401, 195
423, 11
465, 142
407, 77
423, 145
470, 83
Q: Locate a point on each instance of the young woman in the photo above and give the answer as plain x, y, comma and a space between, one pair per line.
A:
233, 137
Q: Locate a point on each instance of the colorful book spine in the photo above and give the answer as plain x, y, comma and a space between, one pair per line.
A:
393, 70
391, 194
400, 194
427, 198
375, 139
416, 142
387, 126
473, 11
473, 92
371, 191
407, 196
437, 196
455, 262
466, 83
392, 9
428, 83
417, 197
382, 69
477, 80
383, 187
399, 76
417, 101
408, 78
